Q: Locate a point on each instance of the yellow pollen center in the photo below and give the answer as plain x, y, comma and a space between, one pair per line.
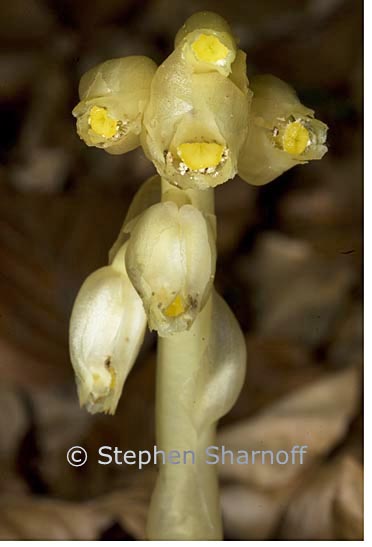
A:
295, 138
176, 307
200, 155
209, 49
101, 123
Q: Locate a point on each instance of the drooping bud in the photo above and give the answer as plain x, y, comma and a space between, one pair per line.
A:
221, 374
196, 123
107, 327
171, 260
282, 132
113, 96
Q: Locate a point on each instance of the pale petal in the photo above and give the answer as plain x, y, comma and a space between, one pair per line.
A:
113, 96
106, 331
171, 262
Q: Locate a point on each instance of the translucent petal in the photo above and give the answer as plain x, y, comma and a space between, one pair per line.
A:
282, 132
106, 331
171, 262
222, 369
187, 108
113, 96
202, 20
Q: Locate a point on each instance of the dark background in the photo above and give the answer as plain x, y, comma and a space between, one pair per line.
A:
289, 265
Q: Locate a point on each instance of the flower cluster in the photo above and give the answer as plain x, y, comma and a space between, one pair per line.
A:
197, 117
201, 122
161, 273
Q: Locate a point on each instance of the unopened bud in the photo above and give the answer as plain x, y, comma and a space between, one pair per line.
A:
221, 375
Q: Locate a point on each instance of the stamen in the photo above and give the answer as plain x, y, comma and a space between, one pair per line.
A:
101, 123
176, 308
209, 49
295, 138
200, 155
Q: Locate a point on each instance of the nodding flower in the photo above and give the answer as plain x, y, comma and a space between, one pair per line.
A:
113, 96
282, 132
171, 259
196, 122
107, 328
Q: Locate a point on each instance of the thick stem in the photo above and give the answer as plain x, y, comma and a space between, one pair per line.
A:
185, 502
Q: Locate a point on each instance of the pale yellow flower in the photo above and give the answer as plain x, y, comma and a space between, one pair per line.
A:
282, 132
171, 260
113, 96
196, 123
207, 43
107, 327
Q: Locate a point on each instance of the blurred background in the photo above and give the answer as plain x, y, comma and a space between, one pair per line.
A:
289, 265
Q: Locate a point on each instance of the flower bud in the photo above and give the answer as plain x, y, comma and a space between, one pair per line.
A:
282, 132
171, 260
207, 43
106, 331
221, 373
196, 123
113, 96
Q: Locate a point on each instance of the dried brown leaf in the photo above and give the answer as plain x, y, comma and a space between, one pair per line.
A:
249, 513
329, 505
31, 518
275, 367
346, 347
129, 506
48, 245
14, 424
59, 424
298, 295
12, 411
326, 209
348, 507
316, 416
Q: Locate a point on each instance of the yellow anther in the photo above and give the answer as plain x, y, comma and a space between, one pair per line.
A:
113, 378
176, 307
209, 49
101, 123
100, 382
200, 155
295, 138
